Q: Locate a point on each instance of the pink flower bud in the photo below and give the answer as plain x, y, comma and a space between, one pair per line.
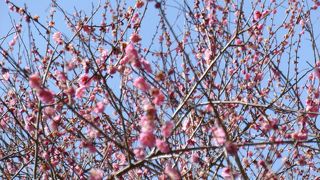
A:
257, 15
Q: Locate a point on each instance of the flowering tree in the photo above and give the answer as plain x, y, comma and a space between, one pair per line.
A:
191, 89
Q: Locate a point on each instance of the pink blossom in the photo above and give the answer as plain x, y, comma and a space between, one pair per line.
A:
238, 41
264, 13
78, 170
6, 75
135, 37
300, 136
167, 128
146, 124
13, 41
61, 76
99, 107
226, 173
54, 125
146, 65
96, 174
172, 173
88, 29
45, 155
91, 148
93, 133
141, 84
57, 37
29, 127
149, 108
70, 91
136, 63
112, 70
257, 15
147, 139
49, 111
46, 96
207, 56
131, 52
312, 107
317, 72
80, 91
219, 135
84, 80
231, 148
139, 3
139, 153
159, 99
35, 81
121, 157
124, 60
162, 146
195, 158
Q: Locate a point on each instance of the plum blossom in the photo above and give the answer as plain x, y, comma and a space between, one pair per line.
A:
46, 95
146, 65
162, 146
61, 76
131, 52
312, 106
147, 139
99, 108
317, 72
29, 126
172, 173
135, 37
167, 128
5, 74
35, 81
80, 91
146, 124
57, 37
159, 99
195, 158
257, 15
219, 135
96, 174
139, 3
141, 84
84, 80
227, 174
139, 153
231, 148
